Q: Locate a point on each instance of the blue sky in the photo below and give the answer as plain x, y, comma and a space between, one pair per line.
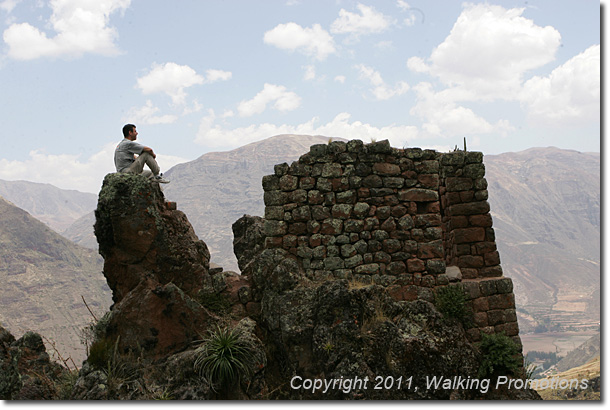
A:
200, 76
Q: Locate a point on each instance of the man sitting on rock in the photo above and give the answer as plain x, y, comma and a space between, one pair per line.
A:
125, 159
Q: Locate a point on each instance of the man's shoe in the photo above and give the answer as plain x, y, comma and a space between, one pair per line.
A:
159, 179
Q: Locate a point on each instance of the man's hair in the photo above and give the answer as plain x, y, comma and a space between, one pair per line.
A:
127, 128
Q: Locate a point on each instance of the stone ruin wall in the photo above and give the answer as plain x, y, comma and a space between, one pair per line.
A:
408, 219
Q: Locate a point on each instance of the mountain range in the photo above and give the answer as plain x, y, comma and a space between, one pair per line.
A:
545, 204
45, 278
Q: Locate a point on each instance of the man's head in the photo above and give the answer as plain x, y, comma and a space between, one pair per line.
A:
129, 131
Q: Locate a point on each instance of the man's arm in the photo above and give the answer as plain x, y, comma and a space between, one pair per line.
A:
150, 151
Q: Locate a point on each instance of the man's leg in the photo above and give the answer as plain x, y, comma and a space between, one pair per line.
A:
138, 166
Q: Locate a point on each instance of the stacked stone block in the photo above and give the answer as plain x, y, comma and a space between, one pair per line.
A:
349, 210
469, 236
409, 219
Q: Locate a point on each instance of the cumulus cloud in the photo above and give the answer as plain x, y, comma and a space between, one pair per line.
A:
443, 117
213, 76
488, 51
215, 135
340, 79
171, 79
312, 41
71, 171
148, 114
367, 21
80, 26
381, 90
570, 94
282, 99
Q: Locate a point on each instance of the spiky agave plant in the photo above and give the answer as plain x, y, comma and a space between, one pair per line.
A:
227, 355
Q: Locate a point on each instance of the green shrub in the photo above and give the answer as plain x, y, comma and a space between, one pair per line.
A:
451, 302
500, 356
227, 355
100, 353
215, 302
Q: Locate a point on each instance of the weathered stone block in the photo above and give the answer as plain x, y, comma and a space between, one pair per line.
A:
427, 220
318, 150
435, 266
456, 184
361, 209
473, 208
467, 235
492, 258
354, 225
331, 226
415, 265
274, 212
297, 228
274, 228
333, 262
470, 261
319, 212
480, 220
472, 157
354, 146
502, 301
273, 198
430, 250
491, 272
418, 195
372, 181
332, 170
482, 195
504, 285
480, 304
471, 288
496, 317
389, 225
271, 182
474, 171
289, 183
281, 169
391, 245
336, 147
488, 287
480, 319
396, 268
368, 269
341, 211
385, 169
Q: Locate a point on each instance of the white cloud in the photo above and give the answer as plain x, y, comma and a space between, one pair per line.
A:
368, 21
148, 115
381, 90
442, 117
489, 50
310, 73
215, 135
8, 5
71, 171
80, 26
313, 42
284, 101
213, 76
570, 94
171, 79
340, 79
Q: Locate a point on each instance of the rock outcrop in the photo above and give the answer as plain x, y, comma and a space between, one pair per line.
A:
26, 372
154, 264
